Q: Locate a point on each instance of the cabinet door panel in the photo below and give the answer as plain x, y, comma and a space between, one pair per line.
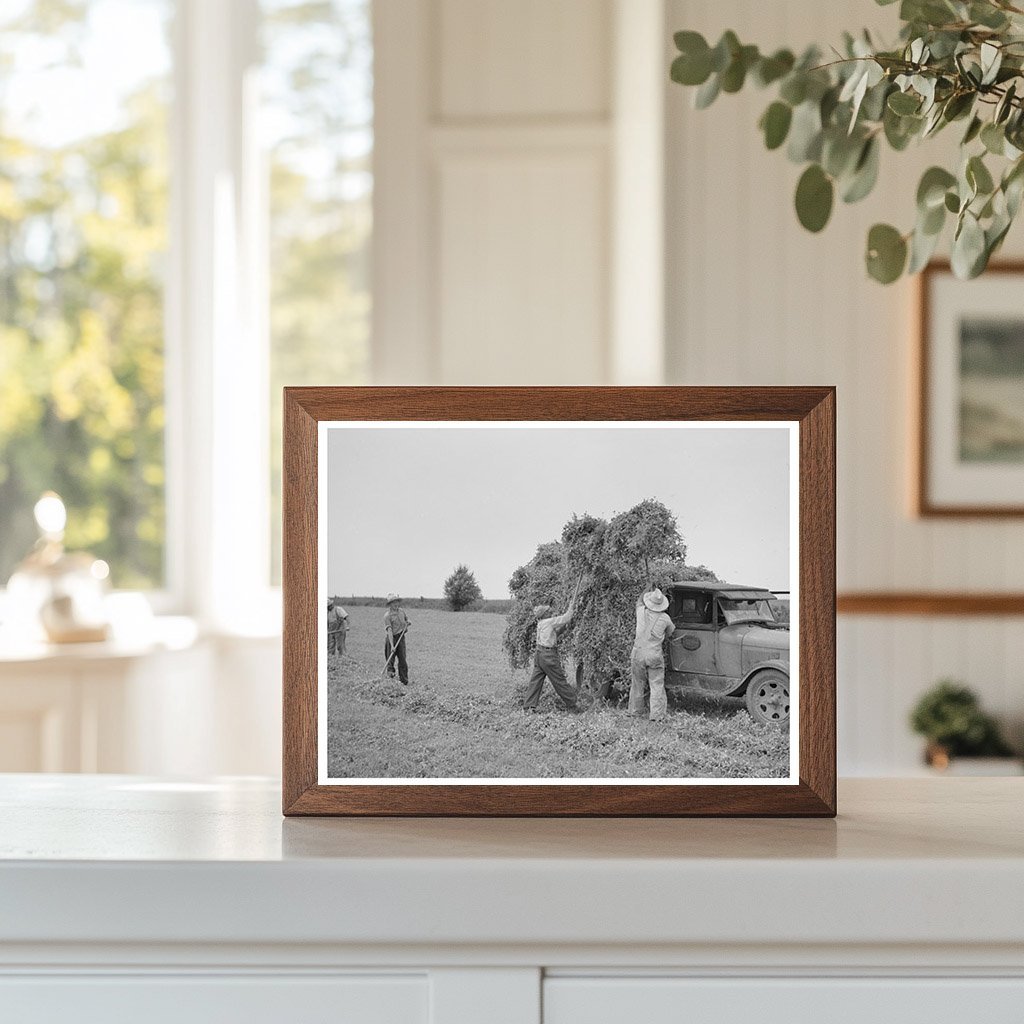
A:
783, 1001
202, 999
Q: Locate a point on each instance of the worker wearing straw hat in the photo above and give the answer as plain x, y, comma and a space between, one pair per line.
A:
546, 662
396, 625
647, 662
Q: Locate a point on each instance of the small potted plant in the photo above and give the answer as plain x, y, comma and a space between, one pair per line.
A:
950, 718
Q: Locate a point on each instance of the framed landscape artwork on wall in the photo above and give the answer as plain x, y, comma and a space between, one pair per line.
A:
559, 601
970, 445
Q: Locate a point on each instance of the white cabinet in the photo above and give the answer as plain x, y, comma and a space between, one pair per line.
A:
216, 1000
666, 1000
126, 899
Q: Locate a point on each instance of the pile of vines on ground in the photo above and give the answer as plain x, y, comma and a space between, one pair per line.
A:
707, 741
613, 561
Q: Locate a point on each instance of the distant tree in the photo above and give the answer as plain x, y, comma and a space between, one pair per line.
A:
461, 589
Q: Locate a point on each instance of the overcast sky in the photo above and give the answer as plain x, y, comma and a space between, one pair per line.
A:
407, 504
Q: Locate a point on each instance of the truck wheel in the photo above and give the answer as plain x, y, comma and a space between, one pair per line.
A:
768, 698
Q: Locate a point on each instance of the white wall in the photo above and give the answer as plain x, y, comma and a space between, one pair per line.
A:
494, 199
754, 299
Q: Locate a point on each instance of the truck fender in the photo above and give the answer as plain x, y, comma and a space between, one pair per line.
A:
774, 664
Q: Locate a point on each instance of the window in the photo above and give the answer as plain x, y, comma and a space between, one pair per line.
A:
696, 609
317, 118
745, 610
83, 236
238, 217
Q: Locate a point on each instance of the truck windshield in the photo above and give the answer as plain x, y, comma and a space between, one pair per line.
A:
746, 609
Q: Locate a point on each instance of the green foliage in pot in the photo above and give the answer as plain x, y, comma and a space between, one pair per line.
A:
949, 716
957, 62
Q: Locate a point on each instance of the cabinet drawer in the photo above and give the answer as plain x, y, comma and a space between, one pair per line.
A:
202, 999
782, 1001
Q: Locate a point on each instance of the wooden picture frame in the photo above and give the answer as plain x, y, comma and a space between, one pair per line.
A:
810, 790
940, 490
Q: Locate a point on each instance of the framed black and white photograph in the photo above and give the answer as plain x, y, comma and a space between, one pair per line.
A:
559, 601
970, 448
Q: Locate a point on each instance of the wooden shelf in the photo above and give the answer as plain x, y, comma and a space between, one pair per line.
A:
929, 603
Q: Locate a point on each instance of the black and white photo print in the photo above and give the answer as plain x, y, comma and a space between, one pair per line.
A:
539, 602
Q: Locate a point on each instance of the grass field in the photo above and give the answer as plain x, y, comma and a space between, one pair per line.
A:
461, 716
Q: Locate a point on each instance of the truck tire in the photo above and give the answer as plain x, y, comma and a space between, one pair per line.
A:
767, 697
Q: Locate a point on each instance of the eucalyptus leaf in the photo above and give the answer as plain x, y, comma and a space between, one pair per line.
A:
922, 248
725, 49
865, 173
1005, 105
973, 130
828, 105
958, 105
805, 133
993, 138
1014, 192
735, 74
987, 15
925, 87
933, 122
840, 152
691, 70
903, 103
900, 130
1013, 187
968, 247
931, 190
991, 60
932, 221
775, 124
886, 253
978, 176
944, 44
771, 69
873, 106
794, 88
814, 196
707, 93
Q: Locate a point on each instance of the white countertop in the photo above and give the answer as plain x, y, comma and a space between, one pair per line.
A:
119, 859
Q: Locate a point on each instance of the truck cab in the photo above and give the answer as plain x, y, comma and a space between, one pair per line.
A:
728, 641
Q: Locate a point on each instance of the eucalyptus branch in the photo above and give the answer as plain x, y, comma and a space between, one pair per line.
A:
954, 60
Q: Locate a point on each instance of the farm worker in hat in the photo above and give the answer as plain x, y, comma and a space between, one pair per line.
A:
647, 661
396, 625
546, 662
337, 628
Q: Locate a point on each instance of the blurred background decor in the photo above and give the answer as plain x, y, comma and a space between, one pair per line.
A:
962, 738
971, 393
55, 593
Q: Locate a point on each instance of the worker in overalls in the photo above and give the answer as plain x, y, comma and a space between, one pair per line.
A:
396, 625
647, 661
337, 628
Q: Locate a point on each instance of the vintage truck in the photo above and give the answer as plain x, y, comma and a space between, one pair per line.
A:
727, 641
